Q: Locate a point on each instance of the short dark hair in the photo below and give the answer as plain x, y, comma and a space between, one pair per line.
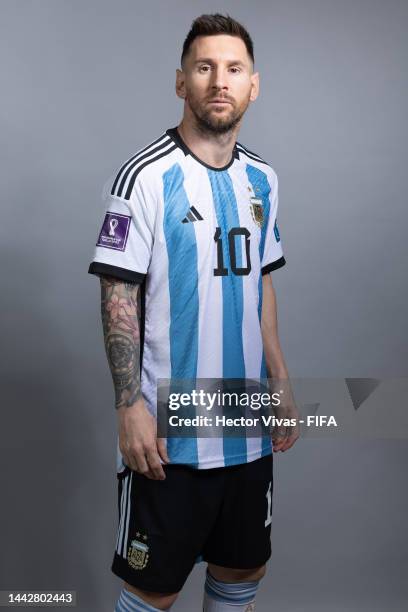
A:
211, 25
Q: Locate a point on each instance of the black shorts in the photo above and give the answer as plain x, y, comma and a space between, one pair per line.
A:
219, 515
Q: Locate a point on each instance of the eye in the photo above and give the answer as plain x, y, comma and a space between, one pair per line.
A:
204, 68
235, 69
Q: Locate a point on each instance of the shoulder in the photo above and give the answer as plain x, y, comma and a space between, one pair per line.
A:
145, 166
253, 158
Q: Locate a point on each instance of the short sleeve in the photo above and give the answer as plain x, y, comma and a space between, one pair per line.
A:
125, 240
272, 256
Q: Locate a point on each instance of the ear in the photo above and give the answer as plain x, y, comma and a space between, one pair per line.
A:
254, 86
180, 87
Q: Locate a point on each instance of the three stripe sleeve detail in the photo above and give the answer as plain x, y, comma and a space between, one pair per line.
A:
126, 177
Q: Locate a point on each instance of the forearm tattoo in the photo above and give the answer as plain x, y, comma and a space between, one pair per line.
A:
120, 308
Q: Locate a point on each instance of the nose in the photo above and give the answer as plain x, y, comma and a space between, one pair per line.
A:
219, 78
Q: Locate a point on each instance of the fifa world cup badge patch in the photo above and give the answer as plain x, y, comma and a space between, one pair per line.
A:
257, 211
138, 554
114, 232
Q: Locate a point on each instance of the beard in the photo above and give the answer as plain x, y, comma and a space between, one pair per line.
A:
207, 120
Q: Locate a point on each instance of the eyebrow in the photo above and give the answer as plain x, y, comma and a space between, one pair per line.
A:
208, 60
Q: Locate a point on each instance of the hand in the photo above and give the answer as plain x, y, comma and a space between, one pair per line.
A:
284, 436
138, 442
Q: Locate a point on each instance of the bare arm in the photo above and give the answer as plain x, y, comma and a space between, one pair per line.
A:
283, 437
275, 363
120, 309
138, 443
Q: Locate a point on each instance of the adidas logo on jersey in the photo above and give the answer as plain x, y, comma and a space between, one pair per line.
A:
192, 215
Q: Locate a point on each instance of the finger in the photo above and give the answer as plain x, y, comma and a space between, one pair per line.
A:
128, 455
292, 435
290, 442
277, 447
139, 461
277, 444
281, 440
154, 464
162, 449
149, 475
278, 437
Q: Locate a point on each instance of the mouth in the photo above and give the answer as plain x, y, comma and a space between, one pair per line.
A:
219, 101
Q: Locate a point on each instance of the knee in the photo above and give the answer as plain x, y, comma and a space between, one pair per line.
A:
228, 574
161, 601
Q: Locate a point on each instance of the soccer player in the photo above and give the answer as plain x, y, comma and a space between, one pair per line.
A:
184, 256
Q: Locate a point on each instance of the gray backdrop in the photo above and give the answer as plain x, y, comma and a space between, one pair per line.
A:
87, 83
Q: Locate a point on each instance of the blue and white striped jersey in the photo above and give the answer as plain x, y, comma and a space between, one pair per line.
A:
198, 239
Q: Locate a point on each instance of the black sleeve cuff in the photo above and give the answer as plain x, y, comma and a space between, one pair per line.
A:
103, 269
273, 266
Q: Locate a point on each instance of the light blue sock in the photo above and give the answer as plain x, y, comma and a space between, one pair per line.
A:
229, 596
129, 602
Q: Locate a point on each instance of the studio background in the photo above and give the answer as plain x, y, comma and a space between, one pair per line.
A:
84, 86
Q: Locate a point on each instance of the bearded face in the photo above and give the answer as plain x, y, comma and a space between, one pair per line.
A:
217, 82
218, 113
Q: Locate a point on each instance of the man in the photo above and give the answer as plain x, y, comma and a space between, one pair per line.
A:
184, 258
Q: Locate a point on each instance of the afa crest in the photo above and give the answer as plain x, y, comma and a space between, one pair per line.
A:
138, 555
257, 211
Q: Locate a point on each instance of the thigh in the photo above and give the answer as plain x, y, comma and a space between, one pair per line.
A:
241, 537
163, 526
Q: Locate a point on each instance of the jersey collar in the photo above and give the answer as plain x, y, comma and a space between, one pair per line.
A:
175, 136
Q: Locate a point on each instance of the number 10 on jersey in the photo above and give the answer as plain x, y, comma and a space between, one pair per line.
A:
234, 232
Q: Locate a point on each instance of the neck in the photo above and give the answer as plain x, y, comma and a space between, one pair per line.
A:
213, 149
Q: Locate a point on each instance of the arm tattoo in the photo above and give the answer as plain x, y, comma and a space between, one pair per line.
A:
120, 308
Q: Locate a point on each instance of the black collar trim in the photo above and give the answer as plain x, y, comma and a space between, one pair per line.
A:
174, 134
